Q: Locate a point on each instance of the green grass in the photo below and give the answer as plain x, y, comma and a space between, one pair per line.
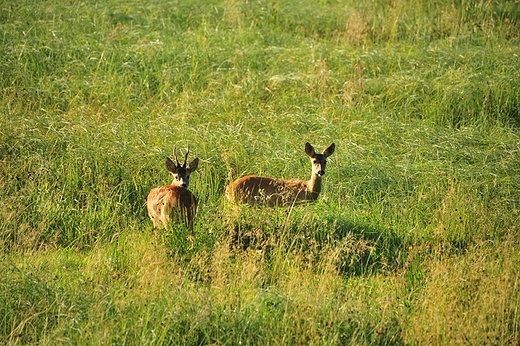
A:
412, 241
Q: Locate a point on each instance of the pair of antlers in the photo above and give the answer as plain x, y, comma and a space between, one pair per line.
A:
185, 156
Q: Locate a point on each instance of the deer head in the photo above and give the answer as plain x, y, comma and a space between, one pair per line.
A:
181, 173
319, 161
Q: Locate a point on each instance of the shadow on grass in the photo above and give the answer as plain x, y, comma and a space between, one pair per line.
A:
319, 240
362, 248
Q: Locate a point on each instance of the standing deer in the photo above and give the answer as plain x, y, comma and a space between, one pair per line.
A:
254, 189
175, 201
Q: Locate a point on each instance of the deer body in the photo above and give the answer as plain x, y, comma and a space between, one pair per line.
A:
173, 202
255, 189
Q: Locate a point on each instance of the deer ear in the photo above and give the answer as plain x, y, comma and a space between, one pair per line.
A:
171, 166
309, 150
193, 164
330, 150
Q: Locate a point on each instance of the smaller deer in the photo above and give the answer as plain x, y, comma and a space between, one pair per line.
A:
254, 189
175, 201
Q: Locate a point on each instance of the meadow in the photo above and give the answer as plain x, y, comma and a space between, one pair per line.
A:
413, 240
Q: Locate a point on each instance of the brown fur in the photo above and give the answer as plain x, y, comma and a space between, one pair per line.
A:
171, 203
174, 202
272, 192
254, 189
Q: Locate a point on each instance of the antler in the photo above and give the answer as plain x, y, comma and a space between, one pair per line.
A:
175, 155
186, 156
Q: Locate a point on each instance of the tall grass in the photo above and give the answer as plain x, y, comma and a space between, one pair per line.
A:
412, 240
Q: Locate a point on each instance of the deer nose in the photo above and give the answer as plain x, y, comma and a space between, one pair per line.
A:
184, 185
321, 173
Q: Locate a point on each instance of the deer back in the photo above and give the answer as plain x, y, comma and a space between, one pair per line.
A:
171, 204
272, 192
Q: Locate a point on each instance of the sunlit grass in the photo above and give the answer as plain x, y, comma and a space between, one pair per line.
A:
412, 240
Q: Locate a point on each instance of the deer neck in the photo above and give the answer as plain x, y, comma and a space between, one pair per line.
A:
314, 185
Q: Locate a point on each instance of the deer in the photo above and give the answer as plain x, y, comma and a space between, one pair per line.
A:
257, 190
174, 202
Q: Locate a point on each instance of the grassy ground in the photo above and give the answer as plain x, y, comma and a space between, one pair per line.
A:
414, 239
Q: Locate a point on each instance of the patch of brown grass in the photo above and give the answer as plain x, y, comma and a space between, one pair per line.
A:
470, 299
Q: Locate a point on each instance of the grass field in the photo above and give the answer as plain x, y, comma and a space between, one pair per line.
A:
413, 240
